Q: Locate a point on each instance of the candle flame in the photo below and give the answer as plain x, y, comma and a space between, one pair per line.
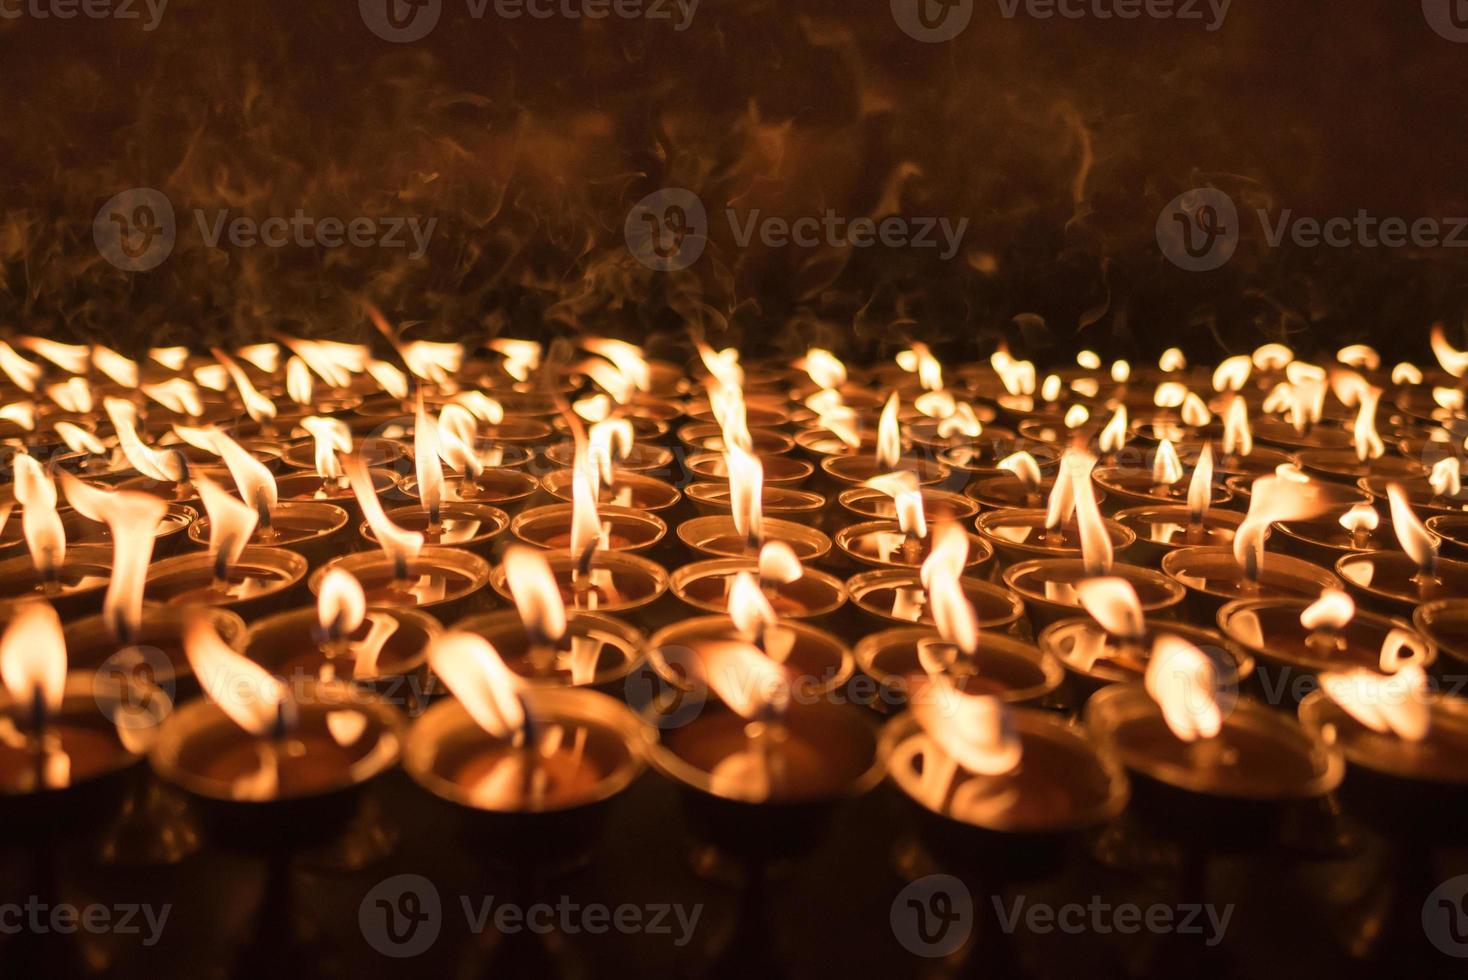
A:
1113, 602
1096, 548
231, 522
1406, 373
489, 691
941, 574
1172, 360
1232, 373
1359, 356
426, 462
79, 440
71, 395
1446, 478
1397, 704
388, 378
458, 431
746, 490
1194, 411
823, 367
1272, 357
123, 370
71, 358
1113, 436
1089, 360
961, 421
889, 435
607, 442
537, 595
264, 356
748, 607
976, 731
22, 414
178, 395
341, 606
212, 376
133, 517
332, 437
1184, 683
628, 358
173, 358
1121, 372
778, 564
26, 374
257, 406
1332, 611
1023, 465
33, 657
907, 497
299, 384
1200, 490
919, 360
433, 361
1453, 361
1076, 416
521, 356
1272, 498
753, 685
400, 545
1167, 469
481, 406
586, 529
1368, 443
1018, 377
252, 478
44, 534
1415, 539
1062, 502
1170, 394
1050, 388
162, 465
243, 690
1361, 517
610, 378
1238, 438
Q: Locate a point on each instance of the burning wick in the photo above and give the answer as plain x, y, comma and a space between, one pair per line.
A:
1112, 602
340, 610
543, 613
1416, 540
907, 498
1326, 619
1023, 466
1360, 521
1200, 494
33, 672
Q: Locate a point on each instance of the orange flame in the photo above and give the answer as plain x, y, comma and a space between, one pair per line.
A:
947, 554
628, 358
521, 356
243, 690
1018, 377
1361, 517
1172, 360
426, 462
44, 534
536, 594
433, 361
940, 574
71, 395
778, 564
1167, 469
586, 527
1184, 683
332, 436
489, 691
298, 382
178, 395
400, 545
480, 405
889, 435
919, 360
1406, 373
133, 518
265, 356
252, 478
257, 406
173, 358
1113, 603
33, 658
1200, 490
976, 731
1364, 434
746, 492
961, 422
458, 431
123, 370
71, 358
1170, 394
607, 442
24, 373
823, 367
1446, 478
748, 607
1396, 704
902, 486
1113, 436
1453, 361
1331, 612
1359, 356
1238, 438
750, 683
231, 522
79, 440
1272, 357
1096, 549
1232, 373
341, 606
389, 378
1050, 388
1415, 539
1195, 411
1272, 498
1076, 416
155, 464
1062, 502
1023, 465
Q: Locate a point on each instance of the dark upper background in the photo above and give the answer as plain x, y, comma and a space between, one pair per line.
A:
528, 141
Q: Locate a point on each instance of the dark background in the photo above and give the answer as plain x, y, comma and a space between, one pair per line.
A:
529, 141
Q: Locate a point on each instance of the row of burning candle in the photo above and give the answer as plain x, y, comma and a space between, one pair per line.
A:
776, 736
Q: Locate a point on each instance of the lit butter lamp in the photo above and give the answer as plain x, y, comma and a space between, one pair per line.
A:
1127, 487
1202, 776
1442, 492
269, 763
313, 529
1239, 455
793, 591
996, 665
618, 528
854, 467
890, 596
1214, 576
1296, 640
1368, 456
1161, 528
814, 661
404, 571
746, 529
69, 742
331, 440
342, 638
1049, 585
610, 439
1114, 643
480, 477
542, 765
127, 637
547, 645
464, 523
71, 579
1397, 582
1018, 480
249, 579
761, 769
905, 541
1294, 410
1326, 539
997, 792
1054, 530
163, 472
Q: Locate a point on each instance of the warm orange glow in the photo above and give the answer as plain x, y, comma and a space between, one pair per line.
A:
1018, 377
458, 431
835, 416
1113, 603
947, 554
1238, 438
26, 374
1200, 490
1361, 517
1359, 356
1446, 478
33, 657
173, 358
1089, 360
1062, 502
1406, 373
1415, 539
178, 395
480, 405
155, 464
426, 463
610, 378
1363, 433
231, 523
1453, 361
586, 527
746, 492
1397, 704
133, 517
391, 380
265, 356
22, 414
823, 367
71, 358
123, 370
1272, 498
243, 690
961, 422
212, 376
1170, 394
1272, 357
432, 361
489, 691
748, 607
44, 534
1023, 465
1076, 416
607, 442
341, 606
1096, 547
778, 564
1332, 611
1167, 469
1194, 411
1050, 388
975, 731
536, 594
298, 381
750, 683
1121, 372
889, 435
332, 437
257, 406
521, 356
629, 359
723, 365
1232, 373
1114, 435
400, 545
941, 573
1184, 683
252, 478
1172, 360
71, 395
907, 497
79, 440
919, 360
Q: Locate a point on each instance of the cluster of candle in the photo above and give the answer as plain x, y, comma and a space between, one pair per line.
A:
968, 553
